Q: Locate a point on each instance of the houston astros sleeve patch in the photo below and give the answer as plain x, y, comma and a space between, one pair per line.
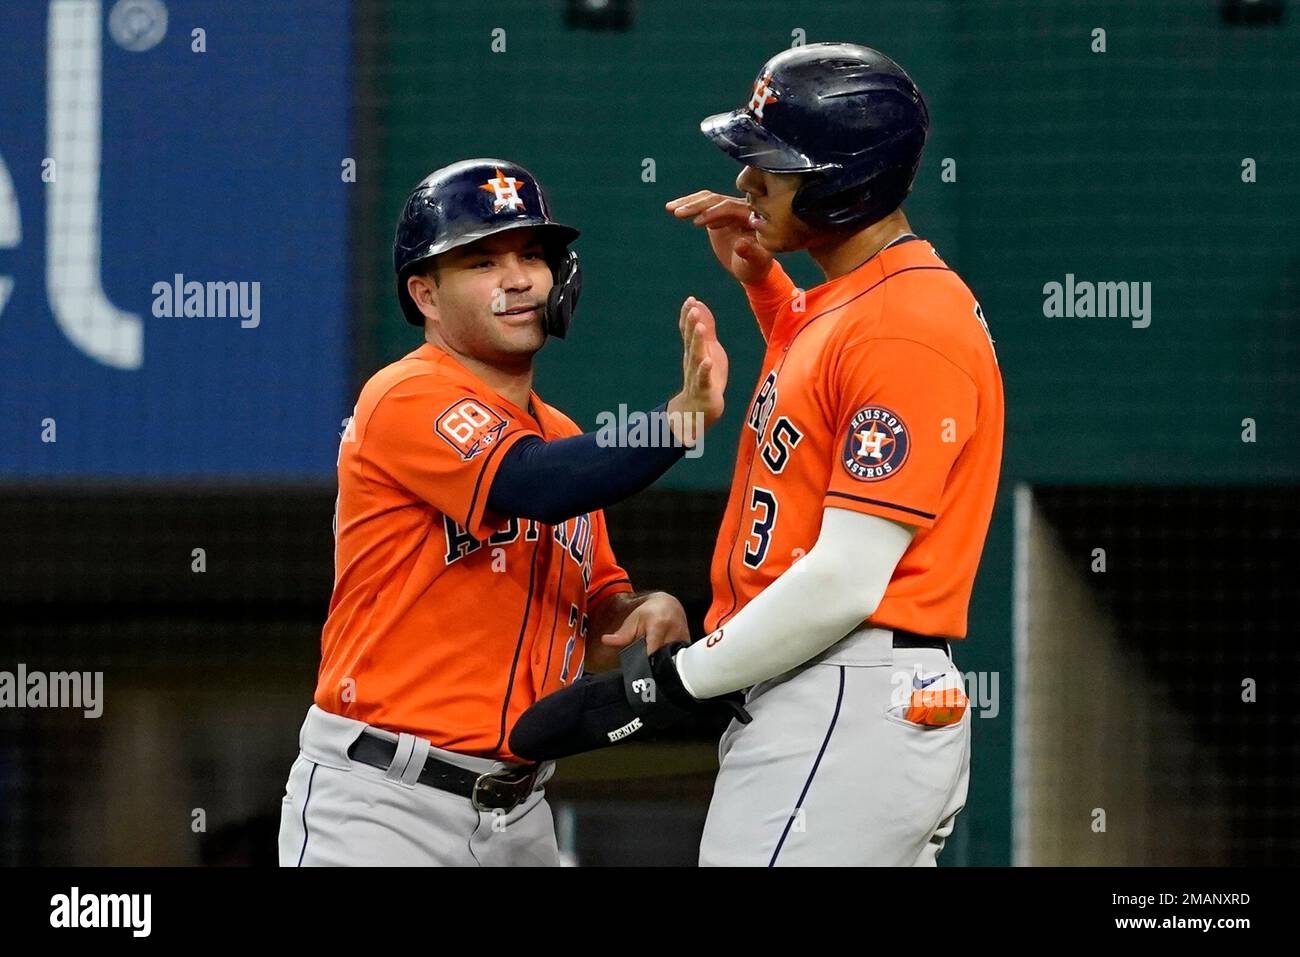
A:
876, 444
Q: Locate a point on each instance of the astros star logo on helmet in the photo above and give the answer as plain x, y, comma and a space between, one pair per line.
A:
505, 192
763, 95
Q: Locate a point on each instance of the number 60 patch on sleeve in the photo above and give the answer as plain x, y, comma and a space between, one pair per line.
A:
469, 427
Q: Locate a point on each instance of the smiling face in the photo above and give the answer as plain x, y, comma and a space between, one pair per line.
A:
486, 299
769, 196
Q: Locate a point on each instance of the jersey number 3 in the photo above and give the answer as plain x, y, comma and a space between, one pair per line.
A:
763, 503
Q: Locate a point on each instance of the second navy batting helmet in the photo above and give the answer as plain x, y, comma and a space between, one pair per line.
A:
466, 201
845, 114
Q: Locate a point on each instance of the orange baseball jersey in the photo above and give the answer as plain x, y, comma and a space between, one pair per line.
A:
447, 621
880, 393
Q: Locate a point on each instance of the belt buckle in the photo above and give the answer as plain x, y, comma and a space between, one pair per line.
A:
512, 784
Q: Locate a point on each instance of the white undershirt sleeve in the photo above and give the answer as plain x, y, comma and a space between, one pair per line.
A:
821, 598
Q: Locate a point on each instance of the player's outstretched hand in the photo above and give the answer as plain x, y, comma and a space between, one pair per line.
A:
734, 242
704, 373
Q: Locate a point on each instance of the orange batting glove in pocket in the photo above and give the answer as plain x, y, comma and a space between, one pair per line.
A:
934, 702
936, 707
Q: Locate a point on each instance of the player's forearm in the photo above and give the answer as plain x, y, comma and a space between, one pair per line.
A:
552, 482
820, 599
797, 617
767, 297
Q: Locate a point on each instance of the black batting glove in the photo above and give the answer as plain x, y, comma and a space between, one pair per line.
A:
655, 691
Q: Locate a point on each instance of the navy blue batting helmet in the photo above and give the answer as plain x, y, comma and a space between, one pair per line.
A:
846, 115
466, 201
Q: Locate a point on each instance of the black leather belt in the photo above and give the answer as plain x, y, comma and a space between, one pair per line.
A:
907, 639
494, 790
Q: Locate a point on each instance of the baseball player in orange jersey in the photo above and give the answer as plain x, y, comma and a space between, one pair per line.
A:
863, 486
862, 493
472, 564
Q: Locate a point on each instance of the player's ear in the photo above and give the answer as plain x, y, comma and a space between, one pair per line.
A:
423, 289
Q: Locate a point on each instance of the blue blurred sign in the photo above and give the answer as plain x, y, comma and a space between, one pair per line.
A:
174, 190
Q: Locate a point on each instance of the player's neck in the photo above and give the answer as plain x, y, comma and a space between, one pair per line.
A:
843, 255
513, 383
515, 386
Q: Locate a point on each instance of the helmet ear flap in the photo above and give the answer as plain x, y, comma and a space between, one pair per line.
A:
823, 203
819, 203
810, 202
562, 300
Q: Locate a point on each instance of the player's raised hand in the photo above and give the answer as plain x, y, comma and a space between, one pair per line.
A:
704, 373
733, 240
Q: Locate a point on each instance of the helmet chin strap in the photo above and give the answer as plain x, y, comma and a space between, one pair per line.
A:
562, 300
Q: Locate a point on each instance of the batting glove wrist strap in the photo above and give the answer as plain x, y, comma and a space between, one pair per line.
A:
652, 686
655, 691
